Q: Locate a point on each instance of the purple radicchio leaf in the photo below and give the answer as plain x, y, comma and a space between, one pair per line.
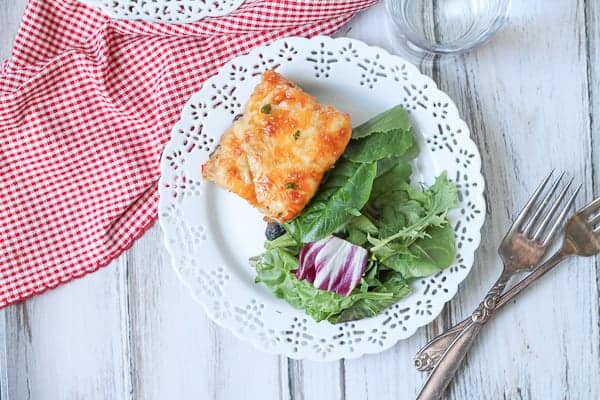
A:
332, 264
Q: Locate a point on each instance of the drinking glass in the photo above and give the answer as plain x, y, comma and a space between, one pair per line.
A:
447, 26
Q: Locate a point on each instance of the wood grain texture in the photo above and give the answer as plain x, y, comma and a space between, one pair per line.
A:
176, 351
69, 344
525, 98
10, 18
131, 331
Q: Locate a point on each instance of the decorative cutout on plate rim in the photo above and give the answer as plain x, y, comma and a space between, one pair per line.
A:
166, 11
232, 300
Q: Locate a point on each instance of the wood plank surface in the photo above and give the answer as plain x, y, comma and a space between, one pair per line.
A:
530, 96
69, 344
176, 351
10, 18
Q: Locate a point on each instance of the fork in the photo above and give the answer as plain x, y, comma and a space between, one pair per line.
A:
524, 246
585, 225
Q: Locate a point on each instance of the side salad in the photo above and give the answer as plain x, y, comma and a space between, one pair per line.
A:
367, 233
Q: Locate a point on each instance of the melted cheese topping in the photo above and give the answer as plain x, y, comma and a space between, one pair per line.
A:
275, 156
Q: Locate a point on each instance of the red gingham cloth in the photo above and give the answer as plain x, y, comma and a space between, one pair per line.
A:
86, 106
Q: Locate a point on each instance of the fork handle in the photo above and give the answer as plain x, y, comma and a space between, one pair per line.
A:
446, 368
432, 352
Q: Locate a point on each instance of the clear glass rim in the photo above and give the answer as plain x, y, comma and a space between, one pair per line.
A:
419, 45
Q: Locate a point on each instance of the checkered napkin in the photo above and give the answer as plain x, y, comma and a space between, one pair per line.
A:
86, 106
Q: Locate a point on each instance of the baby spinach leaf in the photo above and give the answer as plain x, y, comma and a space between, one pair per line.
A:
426, 256
380, 145
436, 201
409, 266
399, 214
363, 224
357, 237
394, 118
346, 191
438, 249
358, 228
371, 277
394, 179
385, 138
386, 164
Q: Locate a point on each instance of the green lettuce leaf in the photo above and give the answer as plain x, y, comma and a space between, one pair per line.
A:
394, 118
285, 241
385, 138
340, 198
380, 145
368, 199
396, 178
386, 164
394, 285
274, 269
434, 202
358, 228
426, 256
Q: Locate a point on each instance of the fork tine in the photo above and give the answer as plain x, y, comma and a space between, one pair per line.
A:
532, 200
594, 220
550, 214
590, 208
529, 225
561, 218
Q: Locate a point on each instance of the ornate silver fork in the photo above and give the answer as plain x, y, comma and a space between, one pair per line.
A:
582, 239
524, 245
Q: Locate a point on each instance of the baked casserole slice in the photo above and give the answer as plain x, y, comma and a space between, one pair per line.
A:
277, 153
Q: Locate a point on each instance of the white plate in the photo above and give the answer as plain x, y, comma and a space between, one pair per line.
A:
210, 233
167, 11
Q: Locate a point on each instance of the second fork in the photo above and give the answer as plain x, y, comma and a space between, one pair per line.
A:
523, 246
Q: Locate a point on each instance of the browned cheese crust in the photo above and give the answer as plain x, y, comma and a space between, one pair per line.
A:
276, 154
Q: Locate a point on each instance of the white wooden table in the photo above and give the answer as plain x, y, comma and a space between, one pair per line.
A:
532, 100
